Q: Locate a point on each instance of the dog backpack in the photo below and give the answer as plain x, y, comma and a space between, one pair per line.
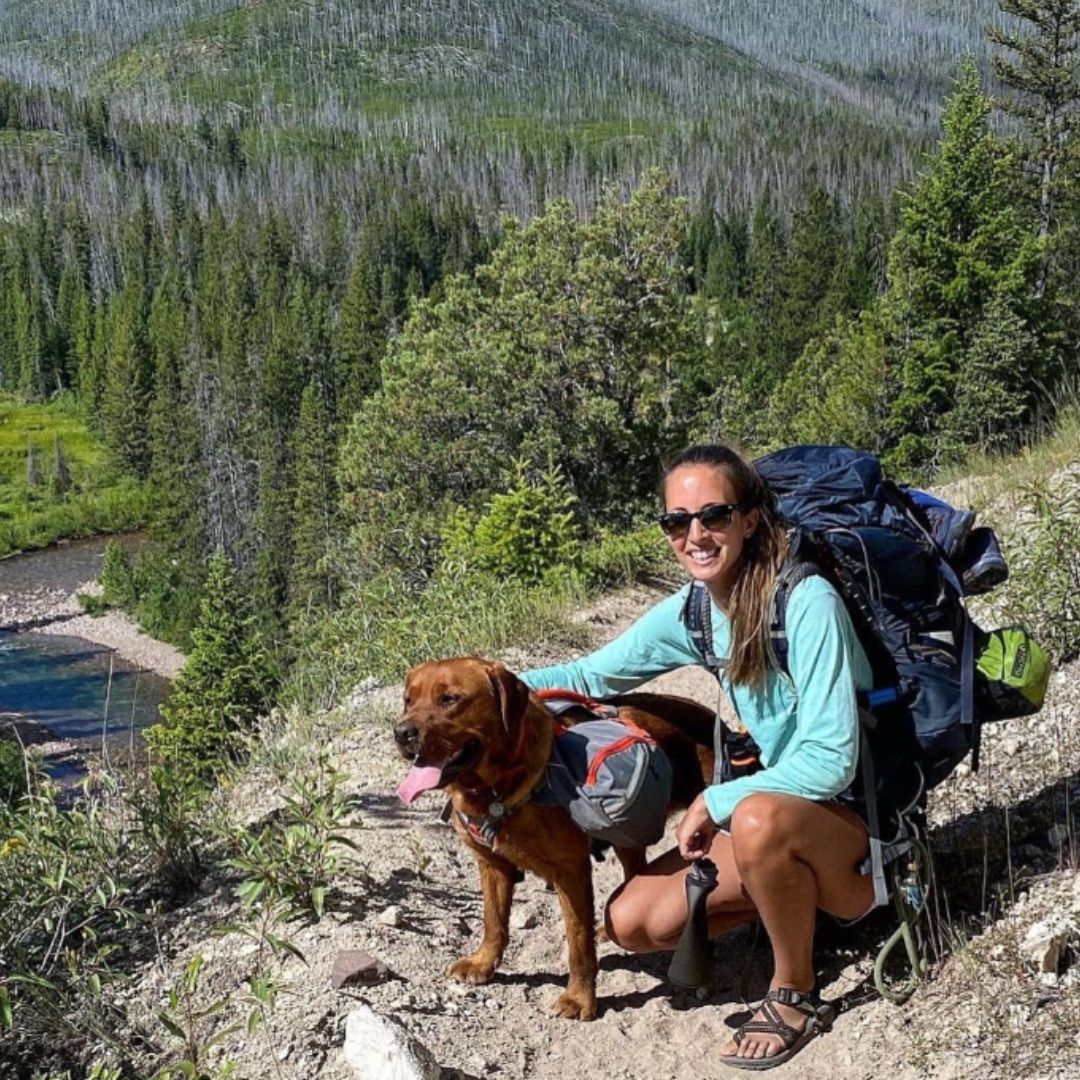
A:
902, 561
609, 774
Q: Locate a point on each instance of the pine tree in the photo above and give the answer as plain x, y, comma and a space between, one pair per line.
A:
72, 312
177, 469
766, 301
61, 474
814, 254
94, 363
127, 390
285, 370
1044, 78
359, 338
962, 243
33, 465
223, 687
28, 318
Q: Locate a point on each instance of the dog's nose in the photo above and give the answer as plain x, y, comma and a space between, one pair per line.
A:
406, 735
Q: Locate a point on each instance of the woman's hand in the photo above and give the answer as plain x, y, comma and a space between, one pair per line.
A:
696, 831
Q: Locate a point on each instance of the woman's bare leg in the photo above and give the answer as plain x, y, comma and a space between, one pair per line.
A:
784, 858
793, 857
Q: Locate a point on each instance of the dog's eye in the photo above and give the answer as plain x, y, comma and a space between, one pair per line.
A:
449, 699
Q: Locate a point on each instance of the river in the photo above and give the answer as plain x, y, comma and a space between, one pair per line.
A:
66, 692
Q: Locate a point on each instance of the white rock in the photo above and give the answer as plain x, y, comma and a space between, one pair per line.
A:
1011, 746
391, 916
379, 1049
1044, 941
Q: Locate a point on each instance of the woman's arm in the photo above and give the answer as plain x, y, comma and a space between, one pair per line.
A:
655, 643
827, 664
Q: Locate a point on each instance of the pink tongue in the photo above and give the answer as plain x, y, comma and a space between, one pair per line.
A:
421, 778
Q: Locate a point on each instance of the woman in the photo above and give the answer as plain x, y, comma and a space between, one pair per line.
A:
783, 845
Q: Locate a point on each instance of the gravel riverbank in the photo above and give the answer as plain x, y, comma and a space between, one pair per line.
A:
47, 610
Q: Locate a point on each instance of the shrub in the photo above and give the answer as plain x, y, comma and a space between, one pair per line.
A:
523, 533
65, 888
384, 626
1044, 564
12, 772
294, 857
623, 556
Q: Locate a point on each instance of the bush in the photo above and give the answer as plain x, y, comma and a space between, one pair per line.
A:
523, 533
12, 772
621, 557
295, 856
384, 626
221, 690
65, 886
1043, 592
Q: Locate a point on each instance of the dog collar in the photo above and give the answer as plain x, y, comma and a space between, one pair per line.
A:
484, 829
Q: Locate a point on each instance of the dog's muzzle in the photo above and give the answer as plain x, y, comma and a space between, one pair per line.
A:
407, 736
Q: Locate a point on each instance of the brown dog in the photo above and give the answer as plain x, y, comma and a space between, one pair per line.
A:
472, 727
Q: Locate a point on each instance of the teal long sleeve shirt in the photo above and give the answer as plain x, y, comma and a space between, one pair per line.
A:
806, 726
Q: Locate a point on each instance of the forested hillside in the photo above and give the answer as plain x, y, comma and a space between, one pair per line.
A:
232, 235
507, 103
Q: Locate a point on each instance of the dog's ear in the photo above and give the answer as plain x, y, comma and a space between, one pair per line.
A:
510, 692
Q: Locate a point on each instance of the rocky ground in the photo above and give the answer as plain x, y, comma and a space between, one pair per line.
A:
1003, 1000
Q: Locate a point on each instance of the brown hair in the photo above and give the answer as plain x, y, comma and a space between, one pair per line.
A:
762, 555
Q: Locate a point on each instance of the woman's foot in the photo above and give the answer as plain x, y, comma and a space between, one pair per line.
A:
787, 1020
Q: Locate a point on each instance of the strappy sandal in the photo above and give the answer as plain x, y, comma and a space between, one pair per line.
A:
819, 1017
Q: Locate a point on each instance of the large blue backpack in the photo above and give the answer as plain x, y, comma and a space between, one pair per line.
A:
902, 560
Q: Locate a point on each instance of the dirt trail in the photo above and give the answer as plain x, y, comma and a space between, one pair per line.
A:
985, 1014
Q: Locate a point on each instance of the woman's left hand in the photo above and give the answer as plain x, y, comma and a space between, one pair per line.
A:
695, 832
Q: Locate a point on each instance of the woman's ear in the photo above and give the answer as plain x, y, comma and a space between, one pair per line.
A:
753, 519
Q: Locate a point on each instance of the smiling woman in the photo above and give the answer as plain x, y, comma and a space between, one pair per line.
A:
784, 845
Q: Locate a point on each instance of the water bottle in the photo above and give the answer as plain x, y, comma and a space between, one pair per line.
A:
691, 965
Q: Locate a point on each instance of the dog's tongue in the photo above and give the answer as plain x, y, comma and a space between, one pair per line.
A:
421, 778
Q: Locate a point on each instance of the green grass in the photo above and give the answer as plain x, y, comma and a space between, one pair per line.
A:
34, 516
987, 477
383, 628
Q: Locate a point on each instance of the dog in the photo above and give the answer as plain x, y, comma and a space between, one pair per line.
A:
472, 728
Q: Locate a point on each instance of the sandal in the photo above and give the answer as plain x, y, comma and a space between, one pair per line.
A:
819, 1017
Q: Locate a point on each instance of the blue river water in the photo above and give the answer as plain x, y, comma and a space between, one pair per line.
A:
66, 688
75, 689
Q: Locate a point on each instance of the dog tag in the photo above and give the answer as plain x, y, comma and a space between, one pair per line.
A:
496, 809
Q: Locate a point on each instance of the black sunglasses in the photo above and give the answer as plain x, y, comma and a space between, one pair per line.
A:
677, 523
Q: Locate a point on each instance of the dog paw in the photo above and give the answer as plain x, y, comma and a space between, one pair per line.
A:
471, 969
576, 1005
601, 933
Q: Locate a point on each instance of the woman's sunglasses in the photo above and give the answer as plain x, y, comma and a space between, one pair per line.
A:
676, 523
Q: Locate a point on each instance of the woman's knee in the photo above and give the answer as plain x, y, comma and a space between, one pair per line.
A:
762, 825
621, 921
627, 922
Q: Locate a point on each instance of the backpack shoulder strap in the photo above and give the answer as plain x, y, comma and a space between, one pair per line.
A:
697, 616
797, 567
